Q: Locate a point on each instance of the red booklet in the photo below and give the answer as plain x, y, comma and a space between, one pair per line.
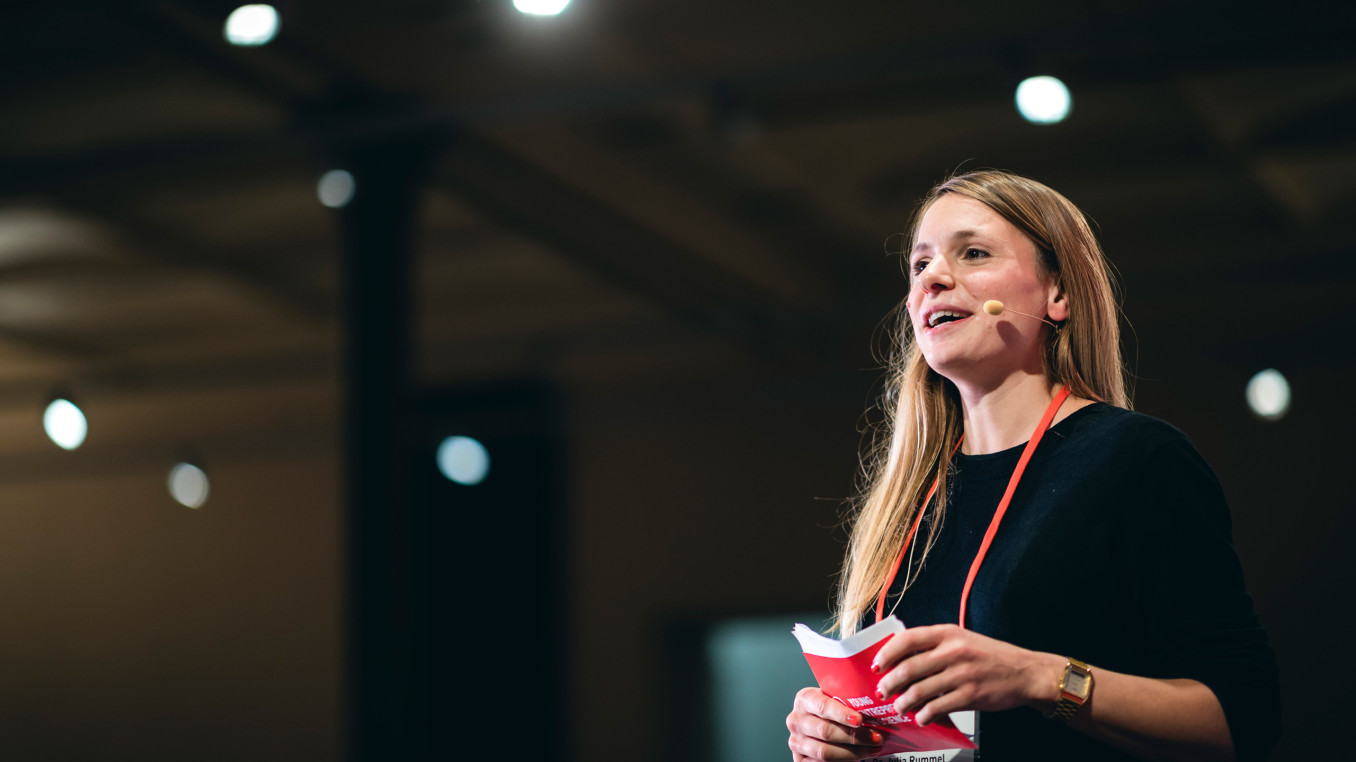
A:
843, 669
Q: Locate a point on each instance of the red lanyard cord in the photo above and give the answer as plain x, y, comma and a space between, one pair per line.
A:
1017, 472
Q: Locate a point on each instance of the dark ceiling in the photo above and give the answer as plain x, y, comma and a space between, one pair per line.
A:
634, 186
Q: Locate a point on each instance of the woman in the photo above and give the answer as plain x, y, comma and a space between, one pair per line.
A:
1031, 532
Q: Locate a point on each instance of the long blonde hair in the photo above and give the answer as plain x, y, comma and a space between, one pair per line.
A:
922, 409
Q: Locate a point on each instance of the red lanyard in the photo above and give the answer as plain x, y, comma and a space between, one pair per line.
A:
993, 525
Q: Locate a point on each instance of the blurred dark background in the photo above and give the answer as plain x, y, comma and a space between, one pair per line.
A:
638, 250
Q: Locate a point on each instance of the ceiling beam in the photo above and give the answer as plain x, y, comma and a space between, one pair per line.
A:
624, 253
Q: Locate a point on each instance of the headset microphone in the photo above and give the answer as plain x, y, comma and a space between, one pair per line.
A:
995, 308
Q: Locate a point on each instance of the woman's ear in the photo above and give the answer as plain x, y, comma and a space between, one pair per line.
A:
1057, 307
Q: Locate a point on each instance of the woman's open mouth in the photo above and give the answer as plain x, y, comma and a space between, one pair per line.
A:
939, 319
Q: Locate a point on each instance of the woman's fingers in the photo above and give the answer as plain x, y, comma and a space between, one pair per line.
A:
922, 692
815, 750
820, 704
820, 731
914, 639
817, 716
908, 671
945, 704
824, 729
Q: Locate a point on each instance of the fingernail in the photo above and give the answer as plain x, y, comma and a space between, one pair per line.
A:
880, 694
877, 738
875, 667
854, 720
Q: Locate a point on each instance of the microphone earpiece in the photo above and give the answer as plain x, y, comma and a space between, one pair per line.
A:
996, 308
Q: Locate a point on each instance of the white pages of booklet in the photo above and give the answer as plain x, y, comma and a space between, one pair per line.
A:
812, 642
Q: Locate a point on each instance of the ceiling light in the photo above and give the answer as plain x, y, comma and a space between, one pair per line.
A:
336, 188
540, 7
188, 485
252, 25
1268, 395
463, 460
65, 424
1043, 100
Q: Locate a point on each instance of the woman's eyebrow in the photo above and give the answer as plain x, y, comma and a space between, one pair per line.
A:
958, 235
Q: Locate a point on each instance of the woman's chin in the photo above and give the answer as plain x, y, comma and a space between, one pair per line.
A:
966, 371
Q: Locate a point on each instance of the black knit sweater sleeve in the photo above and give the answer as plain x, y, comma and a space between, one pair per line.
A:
1194, 616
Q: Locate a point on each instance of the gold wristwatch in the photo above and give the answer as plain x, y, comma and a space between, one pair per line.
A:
1075, 688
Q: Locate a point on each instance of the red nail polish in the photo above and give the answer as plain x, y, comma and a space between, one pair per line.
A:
880, 694
854, 720
877, 738
875, 668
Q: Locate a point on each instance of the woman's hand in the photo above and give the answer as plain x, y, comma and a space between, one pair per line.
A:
824, 729
943, 668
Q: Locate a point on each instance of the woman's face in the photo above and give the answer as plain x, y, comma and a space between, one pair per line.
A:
964, 255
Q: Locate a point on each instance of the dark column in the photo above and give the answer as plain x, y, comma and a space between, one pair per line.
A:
497, 576
385, 715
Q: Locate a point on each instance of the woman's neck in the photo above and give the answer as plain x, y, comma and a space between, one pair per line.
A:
1004, 416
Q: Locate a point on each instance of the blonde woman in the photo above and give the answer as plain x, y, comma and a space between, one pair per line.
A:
1063, 565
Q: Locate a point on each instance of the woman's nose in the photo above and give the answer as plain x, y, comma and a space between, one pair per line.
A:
934, 277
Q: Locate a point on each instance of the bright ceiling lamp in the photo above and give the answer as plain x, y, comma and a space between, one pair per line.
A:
1043, 100
336, 188
463, 460
540, 7
252, 25
1268, 395
188, 485
65, 424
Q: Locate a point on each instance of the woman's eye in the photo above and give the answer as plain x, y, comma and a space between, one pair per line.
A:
918, 266
975, 253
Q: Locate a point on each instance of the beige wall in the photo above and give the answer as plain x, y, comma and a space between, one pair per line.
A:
134, 628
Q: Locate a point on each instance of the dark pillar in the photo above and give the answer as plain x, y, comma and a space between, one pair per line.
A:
385, 715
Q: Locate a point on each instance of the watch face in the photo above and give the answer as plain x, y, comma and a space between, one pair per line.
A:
1077, 683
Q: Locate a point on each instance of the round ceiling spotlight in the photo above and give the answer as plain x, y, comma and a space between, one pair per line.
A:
463, 460
1268, 395
1043, 100
540, 7
65, 423
188, 485
336, 188
252, 25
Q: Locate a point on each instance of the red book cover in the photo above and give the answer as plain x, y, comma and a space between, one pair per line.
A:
843, 669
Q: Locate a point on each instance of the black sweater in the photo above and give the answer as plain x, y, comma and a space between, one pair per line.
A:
1116, 550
